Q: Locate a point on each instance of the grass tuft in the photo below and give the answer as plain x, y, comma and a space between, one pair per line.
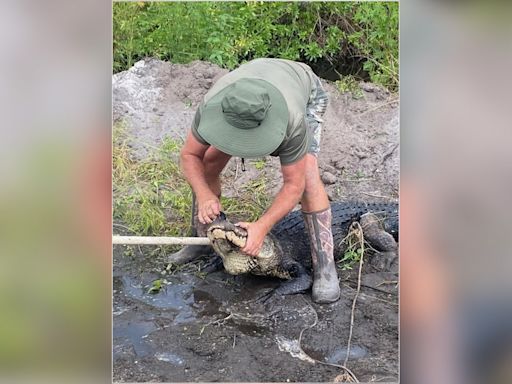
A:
349, 84
152, 198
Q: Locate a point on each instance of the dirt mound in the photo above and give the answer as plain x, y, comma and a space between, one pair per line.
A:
359, 155
157, 99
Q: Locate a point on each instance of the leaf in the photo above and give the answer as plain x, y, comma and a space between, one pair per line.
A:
155, 287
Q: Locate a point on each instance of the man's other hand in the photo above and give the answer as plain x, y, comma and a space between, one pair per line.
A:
256, 233
208, 209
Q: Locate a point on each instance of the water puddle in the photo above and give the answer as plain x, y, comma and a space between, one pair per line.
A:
169, 357
179, 296
339, 354
134, 334
176, 295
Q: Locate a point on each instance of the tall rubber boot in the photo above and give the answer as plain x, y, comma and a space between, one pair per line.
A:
326, 288
191, 252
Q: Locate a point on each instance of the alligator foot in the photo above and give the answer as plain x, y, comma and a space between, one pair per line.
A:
264, 297
375, 234
214, 265
289, 287
189, 253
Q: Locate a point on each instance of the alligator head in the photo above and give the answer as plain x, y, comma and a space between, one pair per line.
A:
227, 240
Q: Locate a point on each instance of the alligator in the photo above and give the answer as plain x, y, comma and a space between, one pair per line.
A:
286, 252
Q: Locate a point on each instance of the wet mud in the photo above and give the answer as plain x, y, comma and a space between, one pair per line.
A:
209, 328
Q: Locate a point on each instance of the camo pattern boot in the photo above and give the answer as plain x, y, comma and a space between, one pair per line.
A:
326, 287
191, 252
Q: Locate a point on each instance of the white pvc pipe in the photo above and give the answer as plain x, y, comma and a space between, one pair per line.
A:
152, 240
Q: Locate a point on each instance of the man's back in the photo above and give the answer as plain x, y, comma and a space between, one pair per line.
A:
294, 80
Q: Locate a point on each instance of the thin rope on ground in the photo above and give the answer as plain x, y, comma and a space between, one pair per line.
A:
361, 239
351, 374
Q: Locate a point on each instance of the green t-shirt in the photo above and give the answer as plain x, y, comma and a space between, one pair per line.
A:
294, 80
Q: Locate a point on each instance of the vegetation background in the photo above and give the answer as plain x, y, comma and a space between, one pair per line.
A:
345, 42
358, 39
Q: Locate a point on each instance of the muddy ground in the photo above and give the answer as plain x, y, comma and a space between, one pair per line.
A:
206, 328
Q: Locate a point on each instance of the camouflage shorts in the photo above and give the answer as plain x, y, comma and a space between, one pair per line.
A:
315, 109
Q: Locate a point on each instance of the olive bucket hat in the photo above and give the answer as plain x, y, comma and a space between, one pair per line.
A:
248, 118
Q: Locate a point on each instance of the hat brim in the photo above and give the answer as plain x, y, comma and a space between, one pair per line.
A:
255, 142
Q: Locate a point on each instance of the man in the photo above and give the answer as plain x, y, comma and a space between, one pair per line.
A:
265, 107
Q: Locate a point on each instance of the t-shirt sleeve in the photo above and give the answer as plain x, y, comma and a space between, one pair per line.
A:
195, 126
295, 147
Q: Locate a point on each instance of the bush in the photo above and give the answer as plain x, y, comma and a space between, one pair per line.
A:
356, 38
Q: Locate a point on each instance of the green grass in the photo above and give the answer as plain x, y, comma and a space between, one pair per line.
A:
152, 198
349, 84
360, 175
260, 164
353, 249
251, 203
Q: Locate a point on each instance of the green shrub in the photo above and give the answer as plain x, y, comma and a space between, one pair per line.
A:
229, 33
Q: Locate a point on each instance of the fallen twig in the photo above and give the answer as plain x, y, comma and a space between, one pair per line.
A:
374, 195
374, 297
375, 288
389, 153
378, 107
388, 282
218, 322
357, 180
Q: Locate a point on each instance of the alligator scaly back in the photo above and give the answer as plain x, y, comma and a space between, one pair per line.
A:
286, 252
293, 238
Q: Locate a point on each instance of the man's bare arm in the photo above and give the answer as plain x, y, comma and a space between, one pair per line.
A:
294, 179
192, 155
294, 176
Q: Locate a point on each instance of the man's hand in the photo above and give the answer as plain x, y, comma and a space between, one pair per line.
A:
208, 208
256, 233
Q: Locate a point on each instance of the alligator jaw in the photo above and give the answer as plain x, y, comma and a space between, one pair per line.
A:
217, 234
227, 237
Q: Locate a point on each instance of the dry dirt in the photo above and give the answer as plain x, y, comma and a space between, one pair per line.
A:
179, 334
359, 156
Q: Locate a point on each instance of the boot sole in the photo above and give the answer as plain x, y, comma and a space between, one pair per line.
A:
327, 301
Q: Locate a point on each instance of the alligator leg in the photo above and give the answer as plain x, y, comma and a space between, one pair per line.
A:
192, 252
375, 234
300, 281
214, 265
383, 242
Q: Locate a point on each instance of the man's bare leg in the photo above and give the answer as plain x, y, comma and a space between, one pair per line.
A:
314, 197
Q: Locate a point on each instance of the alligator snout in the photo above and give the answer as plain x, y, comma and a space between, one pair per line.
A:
222, 230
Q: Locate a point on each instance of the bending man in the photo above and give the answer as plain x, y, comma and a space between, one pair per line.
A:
265, 107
